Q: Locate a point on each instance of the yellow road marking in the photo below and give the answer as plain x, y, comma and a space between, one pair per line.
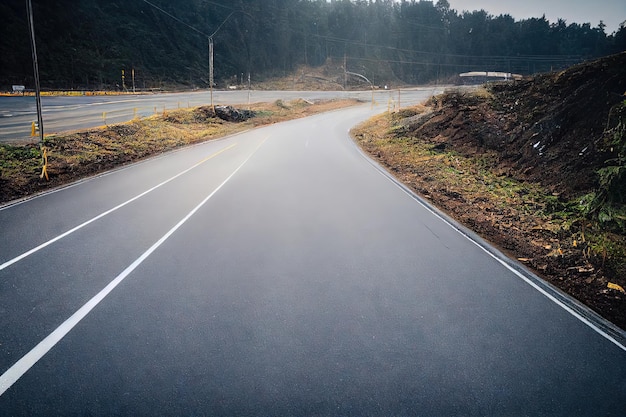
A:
215, 154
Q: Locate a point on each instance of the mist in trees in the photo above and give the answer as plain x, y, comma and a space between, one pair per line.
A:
85, 44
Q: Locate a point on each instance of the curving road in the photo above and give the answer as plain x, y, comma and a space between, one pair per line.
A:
79, 112
279, 272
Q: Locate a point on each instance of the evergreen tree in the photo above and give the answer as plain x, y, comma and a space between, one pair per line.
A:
85, 44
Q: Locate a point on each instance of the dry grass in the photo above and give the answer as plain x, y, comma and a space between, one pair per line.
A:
524, 219
75, 155
432, 170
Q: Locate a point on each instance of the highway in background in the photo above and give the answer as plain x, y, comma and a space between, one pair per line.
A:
279, 272
65, 113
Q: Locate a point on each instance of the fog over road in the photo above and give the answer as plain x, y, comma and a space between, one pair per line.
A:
279, 272
65, 113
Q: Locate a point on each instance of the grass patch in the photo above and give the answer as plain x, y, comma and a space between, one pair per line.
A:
76, 155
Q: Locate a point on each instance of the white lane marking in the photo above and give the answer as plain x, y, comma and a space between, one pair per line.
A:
101, 215
567, 308
15, 372
543, 291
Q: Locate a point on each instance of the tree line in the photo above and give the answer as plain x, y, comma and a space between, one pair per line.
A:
85, 44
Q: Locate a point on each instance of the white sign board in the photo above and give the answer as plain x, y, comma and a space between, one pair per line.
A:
18, 88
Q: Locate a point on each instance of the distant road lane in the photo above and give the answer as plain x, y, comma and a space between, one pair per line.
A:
279, 272
79, 112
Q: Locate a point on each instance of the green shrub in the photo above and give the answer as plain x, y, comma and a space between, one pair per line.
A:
609, 203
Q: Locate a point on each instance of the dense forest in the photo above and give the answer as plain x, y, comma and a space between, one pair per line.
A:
85, 44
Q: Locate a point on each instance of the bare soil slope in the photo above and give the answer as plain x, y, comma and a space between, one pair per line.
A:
547, 129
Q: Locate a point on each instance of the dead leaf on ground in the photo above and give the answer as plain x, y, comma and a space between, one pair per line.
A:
616, 287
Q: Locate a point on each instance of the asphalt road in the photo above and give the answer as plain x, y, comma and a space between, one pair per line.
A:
279, 273
79, 112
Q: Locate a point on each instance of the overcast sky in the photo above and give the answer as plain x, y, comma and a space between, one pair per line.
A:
611, 12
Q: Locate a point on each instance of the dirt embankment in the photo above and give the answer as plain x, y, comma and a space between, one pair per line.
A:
547, 129
538, 167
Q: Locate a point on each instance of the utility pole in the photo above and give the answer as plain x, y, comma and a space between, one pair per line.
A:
306, 59
31, 28
249, 87
211, 55
211, 69
345, 71
210, 38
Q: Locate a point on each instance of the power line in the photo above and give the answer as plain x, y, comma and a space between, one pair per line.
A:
438, 54
177, 19
563, 58
222, 24
193, 28
220, 5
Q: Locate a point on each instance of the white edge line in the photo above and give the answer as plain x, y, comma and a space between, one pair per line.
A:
543, 291
529, 281
106, 213
23, 200
15, 372
552, 297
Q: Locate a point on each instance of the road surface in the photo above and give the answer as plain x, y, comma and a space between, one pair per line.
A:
279, 272
80, 112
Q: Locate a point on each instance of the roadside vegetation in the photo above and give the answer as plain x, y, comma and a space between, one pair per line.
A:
537, 167
76, 155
